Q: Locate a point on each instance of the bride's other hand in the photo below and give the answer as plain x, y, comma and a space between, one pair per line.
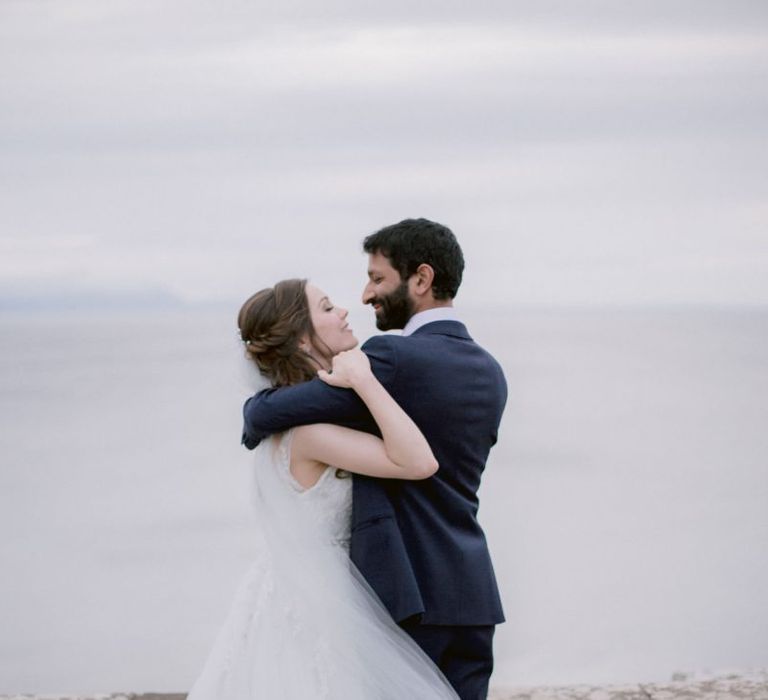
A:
350, 370
401, 453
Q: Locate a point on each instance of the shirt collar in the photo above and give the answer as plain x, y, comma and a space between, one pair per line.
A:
440, 313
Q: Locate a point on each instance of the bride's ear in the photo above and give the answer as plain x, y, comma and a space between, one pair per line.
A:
305, 346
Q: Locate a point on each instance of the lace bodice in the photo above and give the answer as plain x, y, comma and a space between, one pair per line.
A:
329, 500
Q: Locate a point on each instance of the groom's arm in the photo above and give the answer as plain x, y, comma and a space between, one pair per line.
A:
275, 410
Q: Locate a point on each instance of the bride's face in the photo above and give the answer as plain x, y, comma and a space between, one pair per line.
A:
333, 334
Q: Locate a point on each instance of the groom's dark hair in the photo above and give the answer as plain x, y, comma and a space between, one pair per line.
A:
413, 242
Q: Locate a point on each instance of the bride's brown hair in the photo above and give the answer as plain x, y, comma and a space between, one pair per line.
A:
272, 324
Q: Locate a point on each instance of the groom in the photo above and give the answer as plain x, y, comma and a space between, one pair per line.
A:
418, 543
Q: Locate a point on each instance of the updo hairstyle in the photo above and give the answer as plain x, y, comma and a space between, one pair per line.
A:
272, 323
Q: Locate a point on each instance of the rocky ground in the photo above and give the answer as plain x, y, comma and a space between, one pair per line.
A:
752, 686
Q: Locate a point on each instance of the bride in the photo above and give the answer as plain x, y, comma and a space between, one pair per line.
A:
304, 624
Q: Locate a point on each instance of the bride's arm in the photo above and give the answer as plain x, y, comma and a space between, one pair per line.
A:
401, 453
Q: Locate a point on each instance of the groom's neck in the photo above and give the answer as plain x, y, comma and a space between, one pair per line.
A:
427, 304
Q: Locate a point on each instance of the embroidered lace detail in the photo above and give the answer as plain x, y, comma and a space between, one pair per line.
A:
329, 500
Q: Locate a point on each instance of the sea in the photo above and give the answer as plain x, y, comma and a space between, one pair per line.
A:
626, 502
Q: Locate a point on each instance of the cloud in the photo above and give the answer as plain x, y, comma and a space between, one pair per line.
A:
193, 147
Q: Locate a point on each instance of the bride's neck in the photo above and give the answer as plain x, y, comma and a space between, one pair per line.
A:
319, 362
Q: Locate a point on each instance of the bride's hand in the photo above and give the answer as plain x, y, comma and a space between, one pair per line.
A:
349, 370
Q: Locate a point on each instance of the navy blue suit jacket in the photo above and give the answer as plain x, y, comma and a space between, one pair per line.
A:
417, 543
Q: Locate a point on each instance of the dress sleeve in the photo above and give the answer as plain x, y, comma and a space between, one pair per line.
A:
278, 409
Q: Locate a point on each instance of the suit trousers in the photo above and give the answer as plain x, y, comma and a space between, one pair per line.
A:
463, 653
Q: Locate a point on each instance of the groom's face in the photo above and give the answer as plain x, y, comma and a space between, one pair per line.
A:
388, 293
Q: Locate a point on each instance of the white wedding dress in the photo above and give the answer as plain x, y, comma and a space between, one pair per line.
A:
304, 624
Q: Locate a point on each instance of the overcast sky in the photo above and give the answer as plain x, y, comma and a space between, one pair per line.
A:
583, 152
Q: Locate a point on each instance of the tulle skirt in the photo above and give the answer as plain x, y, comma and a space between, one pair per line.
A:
299, 633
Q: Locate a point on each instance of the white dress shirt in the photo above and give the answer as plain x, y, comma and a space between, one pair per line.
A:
440, 313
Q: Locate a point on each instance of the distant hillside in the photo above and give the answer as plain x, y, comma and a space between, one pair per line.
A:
90, 301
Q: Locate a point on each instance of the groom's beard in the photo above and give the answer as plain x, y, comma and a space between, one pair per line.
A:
396, 309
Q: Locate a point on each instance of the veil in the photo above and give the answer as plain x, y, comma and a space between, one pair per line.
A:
304, 623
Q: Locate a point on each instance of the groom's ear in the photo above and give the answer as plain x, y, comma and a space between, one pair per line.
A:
421, 280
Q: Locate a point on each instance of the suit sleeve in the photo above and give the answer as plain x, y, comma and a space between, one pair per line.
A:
275, 410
